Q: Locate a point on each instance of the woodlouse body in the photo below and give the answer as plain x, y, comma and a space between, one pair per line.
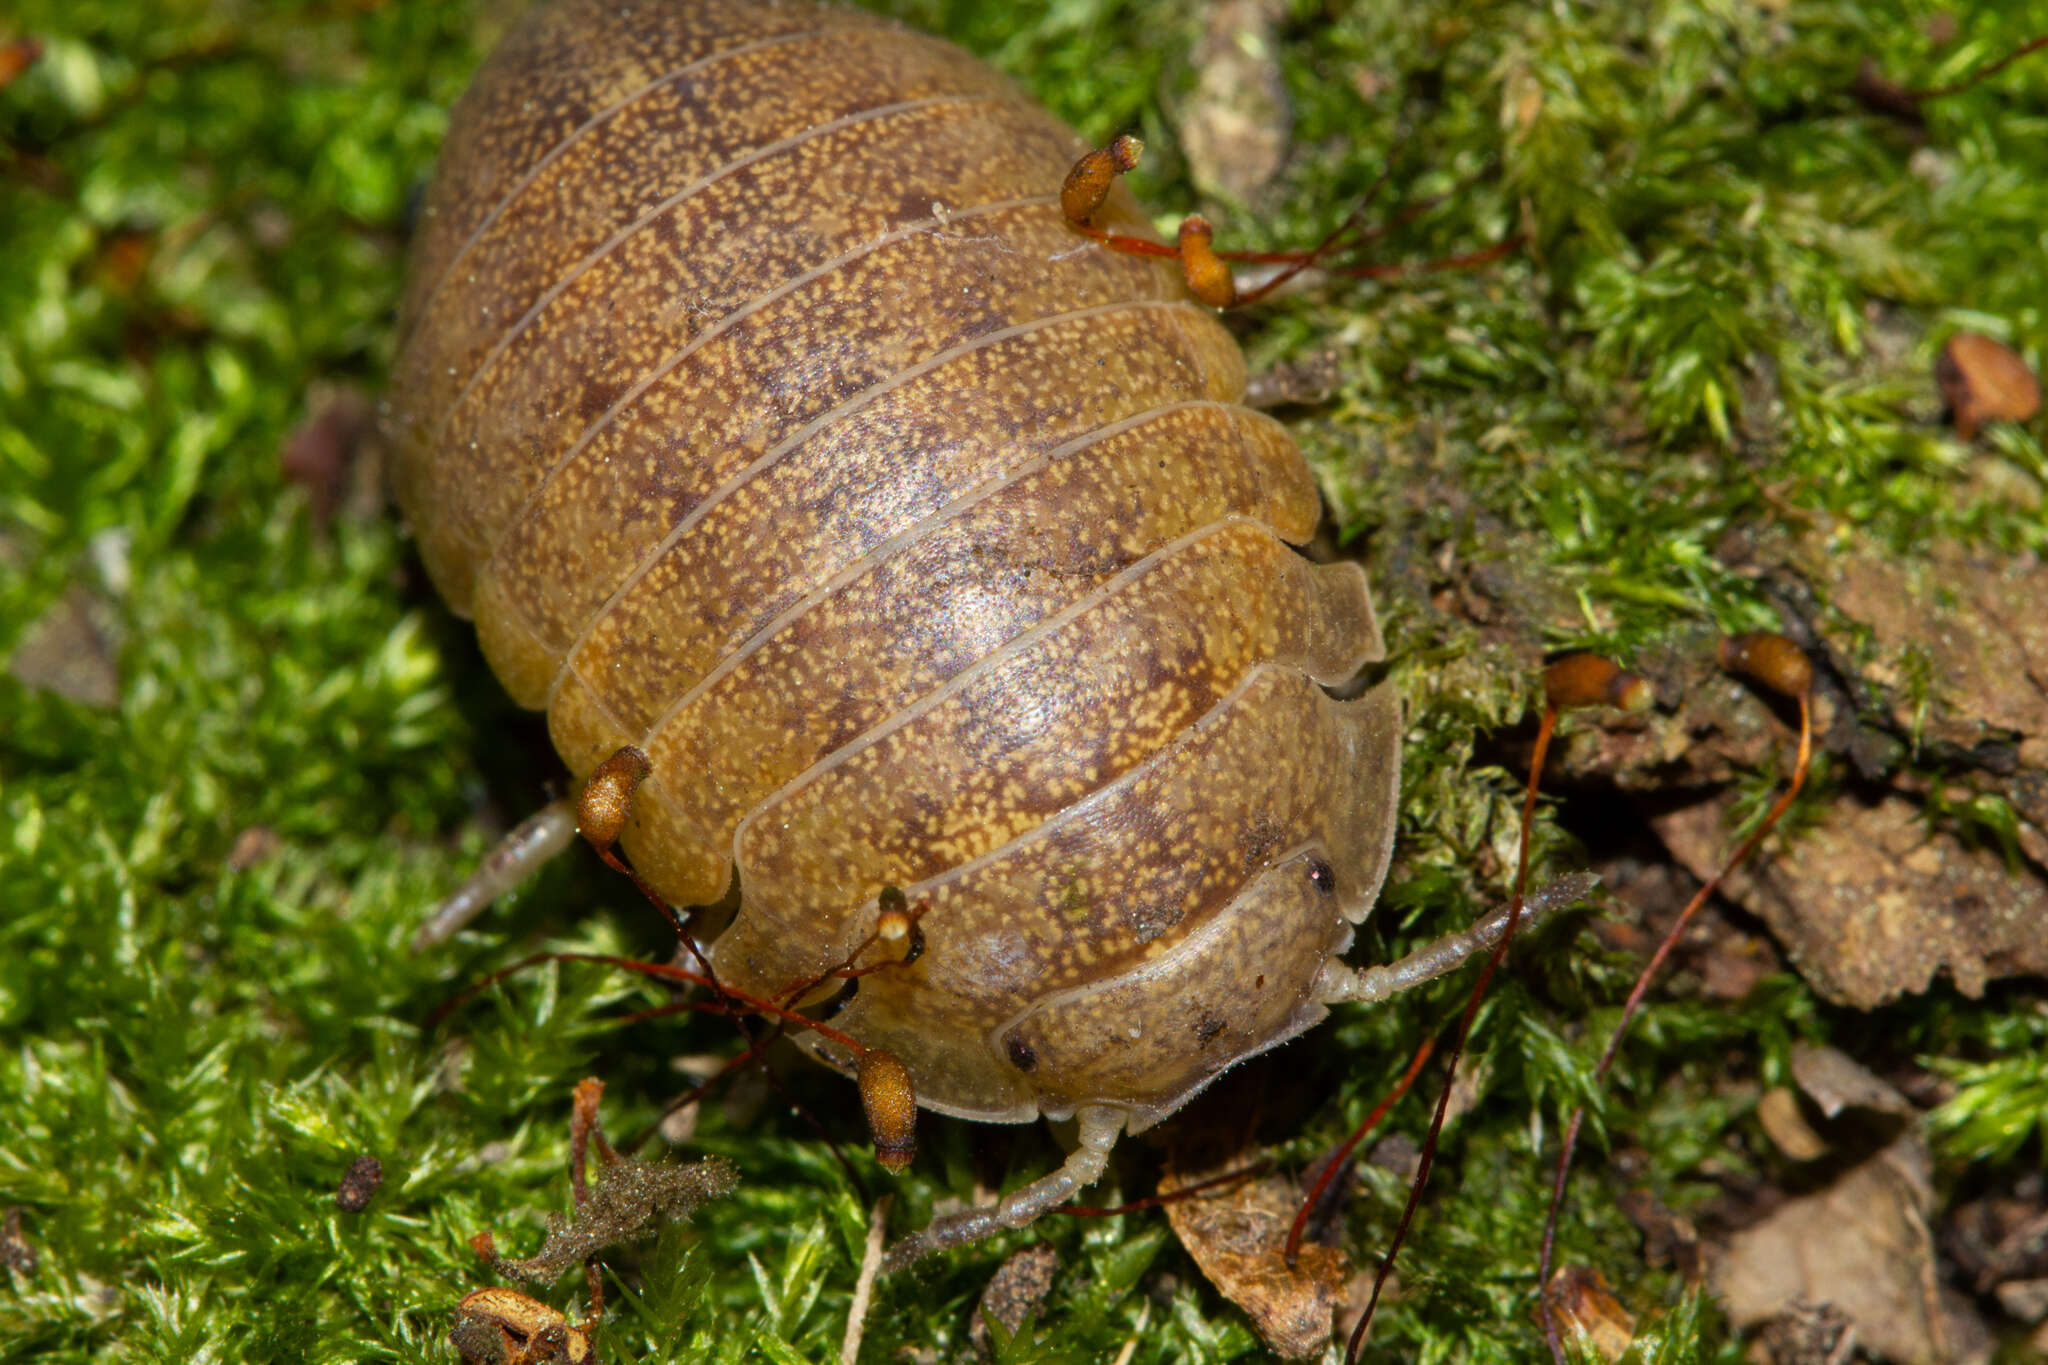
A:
761, 407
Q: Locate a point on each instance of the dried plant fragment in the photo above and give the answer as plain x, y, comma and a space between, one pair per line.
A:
505, 1327
1019, 1286
1778, 1112
1985, 381
625, 1197
1836, 1082
1238, 1236
70, 650
1584, 1306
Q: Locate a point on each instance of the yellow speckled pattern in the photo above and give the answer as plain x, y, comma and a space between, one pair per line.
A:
759, 404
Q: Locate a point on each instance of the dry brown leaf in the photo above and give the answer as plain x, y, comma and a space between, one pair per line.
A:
1236, 1236
1985, 381
1862, 1245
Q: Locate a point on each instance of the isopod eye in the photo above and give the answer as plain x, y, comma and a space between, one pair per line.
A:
1323, 877
896, 928
1021, 1055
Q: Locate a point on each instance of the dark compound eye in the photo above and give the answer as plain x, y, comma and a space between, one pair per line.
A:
1021, 1055
1323, 876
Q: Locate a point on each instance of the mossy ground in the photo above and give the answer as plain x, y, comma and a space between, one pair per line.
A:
1725, 322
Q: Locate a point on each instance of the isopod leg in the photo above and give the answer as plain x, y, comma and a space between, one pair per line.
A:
536, 840
1368, 985
1100, 1128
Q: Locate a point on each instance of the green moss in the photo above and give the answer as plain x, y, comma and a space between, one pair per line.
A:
1724, 324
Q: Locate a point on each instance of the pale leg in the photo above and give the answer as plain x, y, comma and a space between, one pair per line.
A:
538, 839
1100, 1128
1341, 983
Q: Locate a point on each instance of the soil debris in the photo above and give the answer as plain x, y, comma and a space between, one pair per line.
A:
359, 1184
1809, 1334
1018, 1287
1875, 906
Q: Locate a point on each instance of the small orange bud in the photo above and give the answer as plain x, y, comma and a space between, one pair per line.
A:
608, 796
1087, 184
1208, 276
1768, 658
1590, 680
891, 1102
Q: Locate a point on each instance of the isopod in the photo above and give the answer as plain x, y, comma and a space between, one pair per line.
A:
767, 414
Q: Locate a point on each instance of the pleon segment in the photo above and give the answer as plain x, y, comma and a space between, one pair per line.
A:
618, 316
563, 66
901, 624
1036, 729
1070, 956
757, 380
632, 160
810, 511
1155, 1035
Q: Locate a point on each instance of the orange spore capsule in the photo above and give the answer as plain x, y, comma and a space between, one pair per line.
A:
1208, 276
891, 1103
608, 796
1087, 184
1590, 680
1768, 658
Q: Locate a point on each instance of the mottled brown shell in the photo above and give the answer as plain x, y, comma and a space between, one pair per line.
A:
761, 407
